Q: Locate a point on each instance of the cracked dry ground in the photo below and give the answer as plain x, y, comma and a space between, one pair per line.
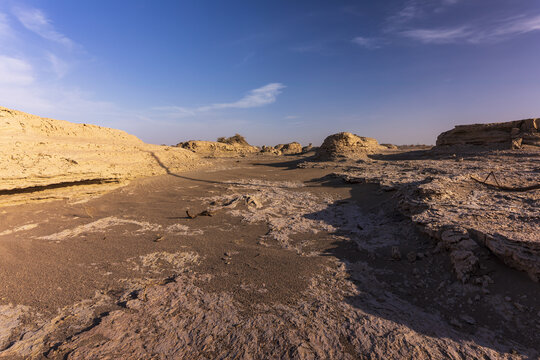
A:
292, 264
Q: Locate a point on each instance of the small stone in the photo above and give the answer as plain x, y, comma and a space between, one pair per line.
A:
455, 323
519, 306
508, 298
468, 319
411, 256
396, 254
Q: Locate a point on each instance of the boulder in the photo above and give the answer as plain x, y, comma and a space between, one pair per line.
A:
347, 145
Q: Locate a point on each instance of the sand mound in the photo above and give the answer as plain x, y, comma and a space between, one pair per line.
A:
511, 134
38, 152
347, 145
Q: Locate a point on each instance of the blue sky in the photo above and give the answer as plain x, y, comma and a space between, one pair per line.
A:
276, 71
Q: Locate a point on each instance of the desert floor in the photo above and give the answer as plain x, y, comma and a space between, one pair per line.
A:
293, 263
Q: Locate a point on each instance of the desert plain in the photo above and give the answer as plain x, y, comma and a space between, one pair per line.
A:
116, 249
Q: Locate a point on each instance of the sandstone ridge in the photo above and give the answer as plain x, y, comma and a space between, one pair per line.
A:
217, 149
40, 152
512, 134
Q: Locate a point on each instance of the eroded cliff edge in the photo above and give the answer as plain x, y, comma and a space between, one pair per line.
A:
39, 153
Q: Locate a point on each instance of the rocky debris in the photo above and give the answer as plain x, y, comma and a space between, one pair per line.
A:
41, 152
347, 145
390, 146
464, 262
511, 134
438, 194
349, 304
270, 150
224, 148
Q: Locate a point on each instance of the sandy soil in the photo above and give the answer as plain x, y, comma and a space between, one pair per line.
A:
294, 263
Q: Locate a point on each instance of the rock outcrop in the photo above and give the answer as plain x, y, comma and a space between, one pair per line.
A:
289, 149
38, 152
217, 149
283, 149
511, 134
438, 194
347, 145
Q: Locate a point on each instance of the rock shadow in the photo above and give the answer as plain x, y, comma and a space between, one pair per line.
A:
419, 290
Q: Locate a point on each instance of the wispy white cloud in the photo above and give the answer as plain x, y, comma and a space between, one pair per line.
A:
438, 36
36, 21
255, 98
416, 9
365, 42
26, 68
5, 29
291, 117
15, 72
490, 32
258, 97
58, 66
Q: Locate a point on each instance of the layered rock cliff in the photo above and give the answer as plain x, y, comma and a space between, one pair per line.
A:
506, 134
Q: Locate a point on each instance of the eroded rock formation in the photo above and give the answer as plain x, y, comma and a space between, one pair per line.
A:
283, 149
40, 152
512, 134
347, 145
290, 148
217, 149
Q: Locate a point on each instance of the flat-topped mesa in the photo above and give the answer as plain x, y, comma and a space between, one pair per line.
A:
233, 146
347, 145
38, 152
511, 134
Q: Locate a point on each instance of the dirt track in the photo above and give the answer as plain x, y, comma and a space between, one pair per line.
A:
293, 263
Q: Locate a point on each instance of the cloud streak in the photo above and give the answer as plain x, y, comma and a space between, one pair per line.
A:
491, 32
255, 98
36, 21
15, 72
5, 29
368, 43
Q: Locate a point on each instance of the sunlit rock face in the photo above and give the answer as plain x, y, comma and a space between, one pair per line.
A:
36, 151
347, 145
506, 134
